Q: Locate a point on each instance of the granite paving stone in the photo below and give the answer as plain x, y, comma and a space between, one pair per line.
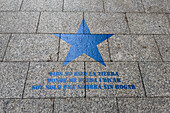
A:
163, 42
144, 105
13, 75
128, 74
26, 105
42, 5
3, 43
123, 6
32, 47
18, 22
103, 49
89, 105
83, 5
60, 22
148, 23
156, 78
10, 5
133, 48
106, 23
156, 5
39, 75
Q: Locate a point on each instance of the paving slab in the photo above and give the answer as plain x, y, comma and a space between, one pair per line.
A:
3, 44
26, 105
60, 22
156, 78
18, 22
83, 5
89, 105
123, 6
32, 47
13, 76
39, 75
144, 105
106, 23
156, 5
42, 5
10, 5
103, 49
163, 42
128, 74
148, 23
133, 48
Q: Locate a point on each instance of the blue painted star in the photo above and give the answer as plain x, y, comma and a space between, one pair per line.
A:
83, 42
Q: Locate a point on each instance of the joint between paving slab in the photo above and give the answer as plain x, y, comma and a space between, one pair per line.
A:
103, 7
38, 22
25, 81
21, 5
85, 79
63, 6
6, 47
83, 23
126, 19
142, 80
158, 49
53, 104
117, 104
58, 54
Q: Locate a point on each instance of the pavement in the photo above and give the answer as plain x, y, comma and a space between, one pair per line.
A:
139, 51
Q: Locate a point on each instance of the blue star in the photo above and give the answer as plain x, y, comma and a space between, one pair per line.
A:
83, 42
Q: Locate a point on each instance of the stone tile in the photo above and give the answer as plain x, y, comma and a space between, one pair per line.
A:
103, 49
42, 5
18, 22
123, 6
10, 5
128, 75
163, 42
106, 23
26, 106
144, 105
133, 48
156, 78
89, 105
12, 78
142, 23
83, 5
60, 22
32, 47
156, 5
3, 43
39, 74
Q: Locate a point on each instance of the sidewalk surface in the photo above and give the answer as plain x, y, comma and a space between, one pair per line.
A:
139, 51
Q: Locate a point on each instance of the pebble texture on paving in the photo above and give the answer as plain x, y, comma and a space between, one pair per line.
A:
139, 51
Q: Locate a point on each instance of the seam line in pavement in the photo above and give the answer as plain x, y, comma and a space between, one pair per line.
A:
58, 54
63, 6
25, 80
142, 80
21, 5
85, 79
6, 47
126, 19
117, 104
158, 48
103, 7
38, 22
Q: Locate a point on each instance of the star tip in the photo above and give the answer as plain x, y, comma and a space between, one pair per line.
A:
109, 35
58, 35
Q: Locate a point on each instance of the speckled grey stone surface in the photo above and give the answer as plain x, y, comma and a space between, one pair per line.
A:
12, 79
163, 42
123, 6
133, 48
39, 74
128, 74
83, 5
101, 23
60, 22
3, 43
148, 23
156, 77
42, 5
156, 5
103, 49
144, 105
10, 5
18, 22
32, 47
26, 105
89, 105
